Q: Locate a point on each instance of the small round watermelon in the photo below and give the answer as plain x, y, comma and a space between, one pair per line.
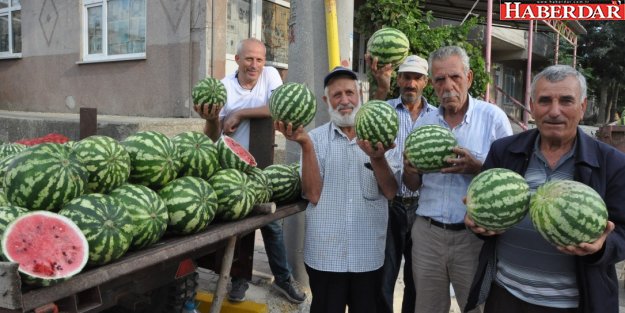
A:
285, 182
44, 177
48, 247
154, 159
293, 103
106, 161
191, 204
198, 154
147, 211
11, 149
567, 212
234, 194
389, 45
209, 91
106, 225
232, 155
497, 199
377, 122
428, 146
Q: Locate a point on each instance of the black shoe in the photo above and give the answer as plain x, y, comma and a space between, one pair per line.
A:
238, 289
289, 289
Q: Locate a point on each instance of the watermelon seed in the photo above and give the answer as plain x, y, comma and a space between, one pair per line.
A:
69, 261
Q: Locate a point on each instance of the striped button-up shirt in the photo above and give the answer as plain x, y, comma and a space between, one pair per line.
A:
346, 229
441, 194
406, 125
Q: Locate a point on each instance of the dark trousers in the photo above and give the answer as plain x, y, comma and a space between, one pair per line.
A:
501, 301
332, 292
398, 243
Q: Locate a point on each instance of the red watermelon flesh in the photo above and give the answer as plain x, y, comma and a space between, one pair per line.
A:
241, 152
46, 245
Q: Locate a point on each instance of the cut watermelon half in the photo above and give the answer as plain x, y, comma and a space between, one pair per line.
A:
233, 155
48, 247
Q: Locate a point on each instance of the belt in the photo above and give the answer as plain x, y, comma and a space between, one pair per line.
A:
406, 201
452, 226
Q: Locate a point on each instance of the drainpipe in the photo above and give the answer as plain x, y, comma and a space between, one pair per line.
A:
488, 35
332, 34
528, 71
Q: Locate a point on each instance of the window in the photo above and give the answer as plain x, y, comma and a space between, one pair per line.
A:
10, 28
113, 30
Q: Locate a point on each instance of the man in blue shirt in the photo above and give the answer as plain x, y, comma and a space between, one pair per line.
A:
444, 251
412, 78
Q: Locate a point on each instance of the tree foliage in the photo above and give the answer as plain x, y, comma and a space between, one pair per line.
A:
406, 16
600, 54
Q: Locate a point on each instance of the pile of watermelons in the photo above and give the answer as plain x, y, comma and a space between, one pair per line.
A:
100, 197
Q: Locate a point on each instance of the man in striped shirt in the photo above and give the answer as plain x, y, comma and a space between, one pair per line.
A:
412, 78
347, 183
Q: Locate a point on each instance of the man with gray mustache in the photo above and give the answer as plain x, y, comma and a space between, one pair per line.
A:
348, 202
444, 251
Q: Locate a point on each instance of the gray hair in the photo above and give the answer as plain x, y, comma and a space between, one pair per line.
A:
447, 51
559, 72
246, 41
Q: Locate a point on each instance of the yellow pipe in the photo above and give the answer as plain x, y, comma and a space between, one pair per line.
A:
332, 34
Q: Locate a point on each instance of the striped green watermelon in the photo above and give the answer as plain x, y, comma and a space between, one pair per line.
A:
209, 91
497, 199
9, 213
293, 103
11, 149
260, 185
106, 160
428, 146
4, 164
234, 194
198, 154
3, 198
106, 225
377, 122
284, 181
567, 212
191, 203
232, 155
154, 159
147, 211
44, 177
389, 45
48, 247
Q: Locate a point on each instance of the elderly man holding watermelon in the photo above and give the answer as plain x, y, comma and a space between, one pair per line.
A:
248, 91
444, 251
519, 270
412, 78
348, 183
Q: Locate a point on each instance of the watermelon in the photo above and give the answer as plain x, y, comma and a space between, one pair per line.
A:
285, 182
260, 185
106, 161
48, 247
293, 103
4, 164
11, 149
567, 212
428, 146
3, 198
106, 225
234, 194
377, 122
232, 155
389, 45
154, 159
147, 211
209, 91
497, 199
9, 213
44, 177
198, 154
191, 203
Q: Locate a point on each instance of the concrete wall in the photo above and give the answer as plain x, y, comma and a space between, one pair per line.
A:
50, 78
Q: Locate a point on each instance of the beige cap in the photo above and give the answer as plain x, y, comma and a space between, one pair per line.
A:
414, 63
